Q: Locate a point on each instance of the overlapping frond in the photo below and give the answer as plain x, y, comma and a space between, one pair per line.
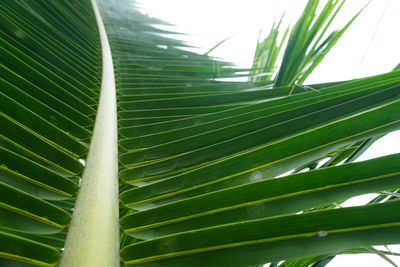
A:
287, 56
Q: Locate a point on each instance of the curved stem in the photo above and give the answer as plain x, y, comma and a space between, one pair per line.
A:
93, 237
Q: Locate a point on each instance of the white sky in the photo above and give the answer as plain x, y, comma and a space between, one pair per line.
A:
369, 47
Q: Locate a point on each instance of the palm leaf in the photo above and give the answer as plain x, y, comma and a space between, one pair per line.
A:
199, 156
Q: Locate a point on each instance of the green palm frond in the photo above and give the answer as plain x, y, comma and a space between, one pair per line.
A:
287, 56
200, 156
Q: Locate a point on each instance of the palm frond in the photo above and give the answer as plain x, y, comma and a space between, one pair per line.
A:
287, 56
201, 157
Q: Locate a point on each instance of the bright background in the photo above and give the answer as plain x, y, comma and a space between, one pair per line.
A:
370, 46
